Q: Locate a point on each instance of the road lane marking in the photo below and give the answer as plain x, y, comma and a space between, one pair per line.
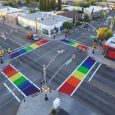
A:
3, 37
94, 72
59, 70
16, 42
20, 47
12, 92
21, 82
70, 85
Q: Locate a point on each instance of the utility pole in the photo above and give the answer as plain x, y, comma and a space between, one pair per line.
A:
46, 88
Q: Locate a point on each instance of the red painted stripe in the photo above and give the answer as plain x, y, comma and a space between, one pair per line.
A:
9, 71
66, 88
83, 47
41, 42
73, 81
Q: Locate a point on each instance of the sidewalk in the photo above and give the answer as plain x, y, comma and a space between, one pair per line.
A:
100, 57
38, 106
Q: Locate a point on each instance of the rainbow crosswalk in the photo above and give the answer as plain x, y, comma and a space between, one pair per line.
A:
70, 85
28, 48
75, 44
20, 81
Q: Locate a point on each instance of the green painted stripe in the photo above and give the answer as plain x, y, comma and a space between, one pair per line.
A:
72, 43
83, 69
20, 81
28, 48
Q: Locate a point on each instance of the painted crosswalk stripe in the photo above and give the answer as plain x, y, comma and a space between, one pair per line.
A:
70, 85
28, 48
75, 44
21, 82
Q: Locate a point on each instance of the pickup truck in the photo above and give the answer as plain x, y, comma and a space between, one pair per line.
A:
32, 36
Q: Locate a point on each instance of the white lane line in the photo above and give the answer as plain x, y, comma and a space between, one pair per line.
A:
58, 71
73, 72
83, 78
3, 37
12, 92
20, 47
14, 85
94, 72
16, 42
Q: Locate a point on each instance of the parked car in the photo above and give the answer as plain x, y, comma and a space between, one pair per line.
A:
32, 36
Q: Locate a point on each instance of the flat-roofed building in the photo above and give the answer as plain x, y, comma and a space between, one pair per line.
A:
45, 22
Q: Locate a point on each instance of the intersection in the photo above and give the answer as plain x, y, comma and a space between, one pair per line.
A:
28, 61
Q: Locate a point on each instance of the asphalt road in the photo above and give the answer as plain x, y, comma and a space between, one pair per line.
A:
83, 35
31, 65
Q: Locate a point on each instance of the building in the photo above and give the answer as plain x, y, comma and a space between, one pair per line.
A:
5, 10
70, 14
46, 23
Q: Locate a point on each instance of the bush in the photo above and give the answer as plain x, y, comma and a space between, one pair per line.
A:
53, 112
77, 23
65, 10
68, 25
79, 12
10, 4
32, 10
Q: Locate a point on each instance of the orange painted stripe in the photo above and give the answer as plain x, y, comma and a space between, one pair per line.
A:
73, 81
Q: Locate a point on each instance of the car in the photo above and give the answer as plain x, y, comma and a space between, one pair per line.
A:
32, 36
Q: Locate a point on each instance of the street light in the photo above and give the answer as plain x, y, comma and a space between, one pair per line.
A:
45, 88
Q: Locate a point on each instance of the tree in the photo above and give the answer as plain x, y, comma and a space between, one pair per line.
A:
82, 4
59, 4
46, 5
68, 25
27, 2
113, 23
103, 33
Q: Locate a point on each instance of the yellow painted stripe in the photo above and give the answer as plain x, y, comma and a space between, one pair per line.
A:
78, 75
33, 46
15, 77
75, 45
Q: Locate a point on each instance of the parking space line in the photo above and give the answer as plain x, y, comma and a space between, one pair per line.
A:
12, 92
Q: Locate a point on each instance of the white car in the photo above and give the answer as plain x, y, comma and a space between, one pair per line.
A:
35, 37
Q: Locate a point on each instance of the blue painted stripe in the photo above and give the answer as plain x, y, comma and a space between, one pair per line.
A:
66, 41
30, 90
24, 85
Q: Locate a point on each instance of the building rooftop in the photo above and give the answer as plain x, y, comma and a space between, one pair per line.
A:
46, 18
8, 9
70, 14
